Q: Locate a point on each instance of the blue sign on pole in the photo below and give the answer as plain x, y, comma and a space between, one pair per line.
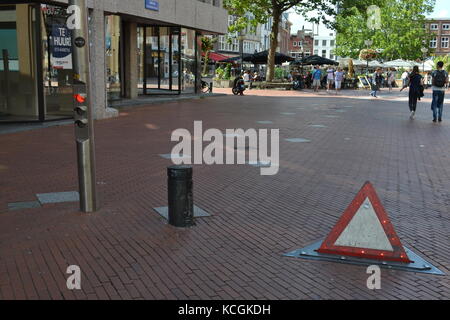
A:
152, 5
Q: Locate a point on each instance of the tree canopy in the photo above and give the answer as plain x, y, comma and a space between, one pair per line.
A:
254, 12
401, 34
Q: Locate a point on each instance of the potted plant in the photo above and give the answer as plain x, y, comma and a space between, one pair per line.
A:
223, 77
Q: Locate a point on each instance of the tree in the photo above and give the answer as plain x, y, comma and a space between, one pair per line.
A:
207, 47
401, 34
351, 69
445, 60
262, 10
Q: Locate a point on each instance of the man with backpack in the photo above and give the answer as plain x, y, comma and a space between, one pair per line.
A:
440, 79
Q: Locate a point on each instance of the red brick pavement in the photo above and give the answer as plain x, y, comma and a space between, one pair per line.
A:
127, 251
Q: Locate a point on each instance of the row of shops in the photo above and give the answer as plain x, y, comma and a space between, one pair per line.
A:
135, 50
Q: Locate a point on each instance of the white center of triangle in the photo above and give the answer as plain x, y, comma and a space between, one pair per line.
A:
365, 230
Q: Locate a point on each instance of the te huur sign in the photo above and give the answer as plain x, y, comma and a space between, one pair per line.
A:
152, 5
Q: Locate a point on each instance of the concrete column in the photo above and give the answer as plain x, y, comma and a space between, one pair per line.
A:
131, 60
98, 66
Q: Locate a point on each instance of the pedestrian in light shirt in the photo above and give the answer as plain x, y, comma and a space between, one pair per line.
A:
338, 78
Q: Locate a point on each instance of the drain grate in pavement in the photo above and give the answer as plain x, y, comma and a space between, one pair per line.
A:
317, 126
198, 212
174, 156
23, 205
298, 140
58, 197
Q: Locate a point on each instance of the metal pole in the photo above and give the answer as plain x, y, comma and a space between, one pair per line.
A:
83, 113
241, 51
6, 78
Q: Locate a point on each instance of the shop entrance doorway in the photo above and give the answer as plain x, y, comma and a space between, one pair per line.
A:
167, 62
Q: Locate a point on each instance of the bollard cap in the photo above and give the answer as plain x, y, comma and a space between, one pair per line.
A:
180, 171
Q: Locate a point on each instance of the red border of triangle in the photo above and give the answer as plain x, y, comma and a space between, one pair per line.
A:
328, 245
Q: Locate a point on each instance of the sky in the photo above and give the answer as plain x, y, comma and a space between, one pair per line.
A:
441, 10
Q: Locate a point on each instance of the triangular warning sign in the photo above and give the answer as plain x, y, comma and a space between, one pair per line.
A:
365, 231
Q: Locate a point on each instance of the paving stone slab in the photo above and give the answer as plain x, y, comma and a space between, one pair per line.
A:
174, 156
260, 164
298, 140
198, 212
264, 122
23, 205
58, 197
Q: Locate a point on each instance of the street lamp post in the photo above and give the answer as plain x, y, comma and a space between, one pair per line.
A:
368, 43
424, 51
241, 50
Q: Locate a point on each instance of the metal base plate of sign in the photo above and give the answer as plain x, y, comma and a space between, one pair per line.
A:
418, 264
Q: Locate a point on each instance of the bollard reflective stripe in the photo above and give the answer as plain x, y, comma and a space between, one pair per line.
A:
180, 196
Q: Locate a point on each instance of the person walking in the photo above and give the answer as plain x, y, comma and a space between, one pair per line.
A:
247, 79
391, 78
415, 81
405, 76
330, 78
308, 79
338, 78
439, 82
377, 79
317, 76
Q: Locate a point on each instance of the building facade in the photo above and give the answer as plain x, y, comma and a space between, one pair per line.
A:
325, 45
138, 47
284, 34
250, 41
440, 41
247, 41
301, 44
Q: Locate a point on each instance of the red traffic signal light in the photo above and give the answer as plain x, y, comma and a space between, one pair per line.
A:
81, 98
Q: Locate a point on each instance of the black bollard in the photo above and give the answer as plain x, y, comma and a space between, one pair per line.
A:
181, 204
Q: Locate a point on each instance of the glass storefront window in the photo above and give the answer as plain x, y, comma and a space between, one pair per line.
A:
18, 94
164, 53
152, 62
188, 60
141, 62
175, 59
57, 62
113, 56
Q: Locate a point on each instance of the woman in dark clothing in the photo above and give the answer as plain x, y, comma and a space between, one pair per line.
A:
415, 81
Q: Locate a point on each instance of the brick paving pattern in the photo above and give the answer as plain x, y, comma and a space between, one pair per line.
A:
128, 251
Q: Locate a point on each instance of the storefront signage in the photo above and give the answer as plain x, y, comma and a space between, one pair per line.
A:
152, 5
61, 47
